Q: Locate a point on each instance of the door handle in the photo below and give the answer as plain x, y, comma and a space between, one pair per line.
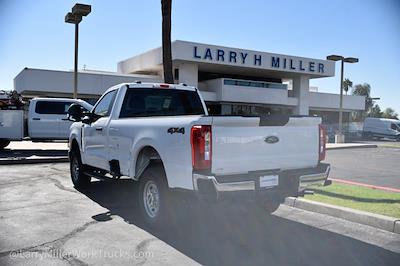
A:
99, 129
36, 118
114, 129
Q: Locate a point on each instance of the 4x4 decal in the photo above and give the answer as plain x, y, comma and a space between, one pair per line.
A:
173, 130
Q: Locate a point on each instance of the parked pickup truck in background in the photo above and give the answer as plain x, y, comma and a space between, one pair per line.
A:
46, 119
161, 136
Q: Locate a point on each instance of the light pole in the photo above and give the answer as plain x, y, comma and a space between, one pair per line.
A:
339, 138
75, 17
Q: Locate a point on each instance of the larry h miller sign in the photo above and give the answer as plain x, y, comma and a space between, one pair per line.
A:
246, 58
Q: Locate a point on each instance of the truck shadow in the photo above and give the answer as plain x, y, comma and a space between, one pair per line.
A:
22, 153
234, 234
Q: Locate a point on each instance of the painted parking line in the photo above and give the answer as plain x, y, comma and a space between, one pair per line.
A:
390, 189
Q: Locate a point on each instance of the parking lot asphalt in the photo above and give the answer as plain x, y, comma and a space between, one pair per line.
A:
45, 221
375, 166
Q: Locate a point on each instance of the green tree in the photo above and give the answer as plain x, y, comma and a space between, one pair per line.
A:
390, 113
166, 6
364, 90
375, 111
347, 84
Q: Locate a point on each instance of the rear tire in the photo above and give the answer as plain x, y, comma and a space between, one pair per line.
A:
155, 200
269, 205
4, 143
79, 179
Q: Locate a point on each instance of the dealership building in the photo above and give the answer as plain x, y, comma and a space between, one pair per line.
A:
232, 81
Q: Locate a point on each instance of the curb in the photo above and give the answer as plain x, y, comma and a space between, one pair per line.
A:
33, 161
353, 147
386, 223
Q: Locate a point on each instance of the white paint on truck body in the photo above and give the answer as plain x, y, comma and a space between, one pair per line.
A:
11, 124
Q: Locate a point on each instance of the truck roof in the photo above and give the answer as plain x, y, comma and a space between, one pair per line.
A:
139, 84
82, 102
57, 99
381, 119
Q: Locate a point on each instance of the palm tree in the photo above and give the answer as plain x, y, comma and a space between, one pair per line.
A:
364, 90
347, 84
390, 113
166, 6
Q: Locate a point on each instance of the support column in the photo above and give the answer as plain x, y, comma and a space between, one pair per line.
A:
188, 74
301, 86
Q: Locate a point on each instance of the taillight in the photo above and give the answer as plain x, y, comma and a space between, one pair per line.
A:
200, 139
322, 143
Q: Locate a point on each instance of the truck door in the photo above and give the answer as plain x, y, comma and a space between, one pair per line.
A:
45, 118
95, 135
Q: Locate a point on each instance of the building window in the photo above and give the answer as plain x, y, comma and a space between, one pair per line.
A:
255, 84
228, 109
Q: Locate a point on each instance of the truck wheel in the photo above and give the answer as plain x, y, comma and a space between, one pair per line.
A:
79, 179
269, 205
4, 143
154, 196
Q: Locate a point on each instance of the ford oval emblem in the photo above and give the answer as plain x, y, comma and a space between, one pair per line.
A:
271, 139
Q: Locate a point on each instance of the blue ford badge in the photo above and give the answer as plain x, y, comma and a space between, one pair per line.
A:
271, 139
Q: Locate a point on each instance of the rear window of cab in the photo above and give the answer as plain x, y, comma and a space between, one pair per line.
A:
146, 102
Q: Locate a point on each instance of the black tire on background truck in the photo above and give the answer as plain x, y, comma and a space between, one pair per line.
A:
4, 143
79, 179
154, 197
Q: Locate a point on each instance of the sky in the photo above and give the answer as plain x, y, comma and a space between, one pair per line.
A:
33, 34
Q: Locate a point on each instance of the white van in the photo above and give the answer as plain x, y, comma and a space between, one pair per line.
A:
381, 128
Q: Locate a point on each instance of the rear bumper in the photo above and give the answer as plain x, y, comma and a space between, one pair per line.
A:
291, 182
316, 179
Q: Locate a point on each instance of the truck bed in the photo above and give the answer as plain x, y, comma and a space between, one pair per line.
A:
11, 124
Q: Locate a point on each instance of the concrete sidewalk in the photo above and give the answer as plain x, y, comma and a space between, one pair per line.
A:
28, 152
386, 223
29, 145
336, 146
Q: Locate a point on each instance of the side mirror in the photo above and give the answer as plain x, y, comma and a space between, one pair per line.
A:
87, 120
75, 112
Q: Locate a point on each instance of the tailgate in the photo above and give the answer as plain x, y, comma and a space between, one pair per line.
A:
240, 145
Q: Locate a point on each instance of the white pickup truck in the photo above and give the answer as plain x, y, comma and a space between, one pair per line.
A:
162, 136
46, 119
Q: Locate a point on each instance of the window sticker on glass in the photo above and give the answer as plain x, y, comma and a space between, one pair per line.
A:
167, 103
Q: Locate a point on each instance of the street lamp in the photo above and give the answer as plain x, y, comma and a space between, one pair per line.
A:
75, 17
339, 138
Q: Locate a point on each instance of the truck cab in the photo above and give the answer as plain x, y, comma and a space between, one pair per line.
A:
47, 117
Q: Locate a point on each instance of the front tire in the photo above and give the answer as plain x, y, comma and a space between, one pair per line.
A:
4, 143
79, 179
154, 196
